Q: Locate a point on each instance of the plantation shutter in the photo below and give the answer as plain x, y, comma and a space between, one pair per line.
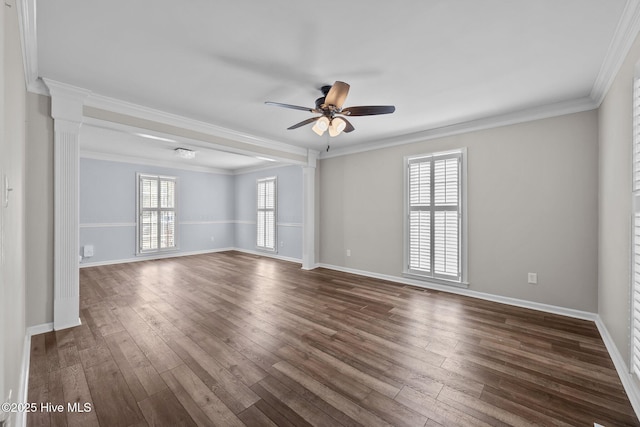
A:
157, 213
435, 216
266, 214
635, 303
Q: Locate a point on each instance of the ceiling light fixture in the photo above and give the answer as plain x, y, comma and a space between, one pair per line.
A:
265, 158
337, 126
322, 124
157, 138
185, 153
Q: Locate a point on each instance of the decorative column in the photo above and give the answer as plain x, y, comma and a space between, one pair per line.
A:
66, 110
309, 211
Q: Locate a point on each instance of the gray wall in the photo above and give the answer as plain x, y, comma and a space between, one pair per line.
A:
39, 209
532, 207
289, 210
615, 156
12, 222
108, 209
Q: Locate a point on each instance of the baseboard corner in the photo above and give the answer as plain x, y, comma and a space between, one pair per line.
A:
40, 329
631, 387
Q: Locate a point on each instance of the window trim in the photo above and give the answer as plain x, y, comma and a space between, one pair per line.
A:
176, 247
464, 246
275, 214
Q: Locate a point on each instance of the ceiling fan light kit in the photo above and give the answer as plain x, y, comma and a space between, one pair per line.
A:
337, 126
332, 116
322, 124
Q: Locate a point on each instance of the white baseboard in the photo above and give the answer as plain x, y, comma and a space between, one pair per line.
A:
563, 311
269, 255
630, 385
23, 389
21, 416
152, 257
39, 329
181, 254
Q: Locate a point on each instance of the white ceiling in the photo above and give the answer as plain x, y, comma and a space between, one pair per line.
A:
440, 62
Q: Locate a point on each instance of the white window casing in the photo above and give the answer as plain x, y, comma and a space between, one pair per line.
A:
266, 214
157, 213
435, 220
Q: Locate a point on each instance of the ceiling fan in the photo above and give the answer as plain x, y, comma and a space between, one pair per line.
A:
332, 115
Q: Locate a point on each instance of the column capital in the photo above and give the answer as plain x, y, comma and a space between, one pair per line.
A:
66, 101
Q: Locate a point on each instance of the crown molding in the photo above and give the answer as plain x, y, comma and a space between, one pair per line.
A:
29, 42
66, 102
146, 113
527, 115
147, 162
260, 168
623, 38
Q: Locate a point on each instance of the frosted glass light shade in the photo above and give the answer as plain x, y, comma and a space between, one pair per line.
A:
321, 126
337, 126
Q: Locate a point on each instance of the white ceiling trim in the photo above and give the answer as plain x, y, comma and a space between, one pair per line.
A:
29, 41
147, 162
536, 113
623, 38
260, 168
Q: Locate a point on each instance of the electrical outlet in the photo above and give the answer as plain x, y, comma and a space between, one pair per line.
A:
213, 239
532, 278
282, 243
348, 252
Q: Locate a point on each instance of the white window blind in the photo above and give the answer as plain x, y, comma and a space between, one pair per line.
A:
435, 215
156, 213
266, 214
635, 302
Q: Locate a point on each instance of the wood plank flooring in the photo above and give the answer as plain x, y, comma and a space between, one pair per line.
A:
231, 339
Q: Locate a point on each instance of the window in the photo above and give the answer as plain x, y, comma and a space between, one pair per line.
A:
635, 234
156, 213
266, 214
435, 221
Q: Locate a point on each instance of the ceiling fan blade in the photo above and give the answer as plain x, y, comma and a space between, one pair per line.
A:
349, 127
304, 122
369, 110
293, 107
337, 94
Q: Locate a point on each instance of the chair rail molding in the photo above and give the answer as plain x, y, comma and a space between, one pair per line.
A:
66, 110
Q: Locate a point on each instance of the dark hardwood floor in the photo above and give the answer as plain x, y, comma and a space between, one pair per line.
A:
230, 339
